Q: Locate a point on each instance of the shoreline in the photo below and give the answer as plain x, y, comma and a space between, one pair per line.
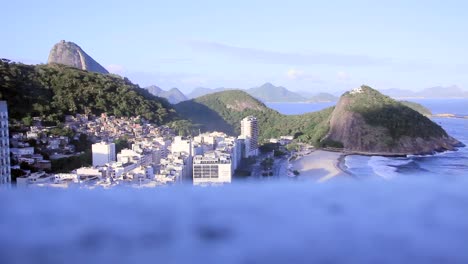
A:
341, 164
393, 155
324, 164
320, 165
448, 115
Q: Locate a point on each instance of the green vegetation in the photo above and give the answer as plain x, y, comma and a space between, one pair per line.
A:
223, 111
270, 147
82, 144
53, 91
61, 131
380, 110
293, 147
64, 165
328, 143
417, 107
121, 143
183, 127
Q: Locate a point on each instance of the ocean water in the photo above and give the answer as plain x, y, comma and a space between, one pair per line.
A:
446, 164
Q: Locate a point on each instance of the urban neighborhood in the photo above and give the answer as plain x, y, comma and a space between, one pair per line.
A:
125, 151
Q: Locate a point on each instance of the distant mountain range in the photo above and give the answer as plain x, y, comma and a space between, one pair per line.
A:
432, 92
201, 91
70, 54
174, 95
271, 93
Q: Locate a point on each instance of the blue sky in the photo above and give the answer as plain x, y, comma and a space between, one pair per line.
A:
302, 45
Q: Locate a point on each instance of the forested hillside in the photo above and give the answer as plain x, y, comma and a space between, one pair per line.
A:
52, 91
224, 110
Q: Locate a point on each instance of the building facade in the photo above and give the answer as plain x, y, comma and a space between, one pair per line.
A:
5, 173
213, 167
249, 131
103, 153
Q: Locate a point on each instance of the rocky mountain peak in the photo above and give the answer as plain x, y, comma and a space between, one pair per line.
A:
69, 53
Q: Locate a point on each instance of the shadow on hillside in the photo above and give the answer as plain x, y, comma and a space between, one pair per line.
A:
200, 114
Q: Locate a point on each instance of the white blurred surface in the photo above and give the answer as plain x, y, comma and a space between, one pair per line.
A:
417, 221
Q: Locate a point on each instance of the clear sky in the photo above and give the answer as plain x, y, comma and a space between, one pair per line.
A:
302, 45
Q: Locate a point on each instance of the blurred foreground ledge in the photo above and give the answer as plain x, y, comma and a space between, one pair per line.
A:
410, 221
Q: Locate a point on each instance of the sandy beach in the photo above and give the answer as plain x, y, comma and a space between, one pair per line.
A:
319, 166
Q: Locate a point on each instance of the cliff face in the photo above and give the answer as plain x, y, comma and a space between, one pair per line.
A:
366, 121
69, 53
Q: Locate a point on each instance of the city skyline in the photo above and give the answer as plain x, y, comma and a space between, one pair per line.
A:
302, 46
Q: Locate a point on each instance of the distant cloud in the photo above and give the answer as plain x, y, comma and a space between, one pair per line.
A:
295, 74
276, 57
343, 76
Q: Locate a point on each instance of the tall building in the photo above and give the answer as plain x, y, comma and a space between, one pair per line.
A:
181, 144
5, 175
184, 149
249, 130
103, 153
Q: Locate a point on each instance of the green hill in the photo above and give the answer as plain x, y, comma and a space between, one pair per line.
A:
399, 119
201, 91
223, 111
366, 121
52, 91
363, 121
417, 107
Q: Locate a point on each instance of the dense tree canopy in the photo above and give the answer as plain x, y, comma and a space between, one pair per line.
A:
52, 91
401, 120
224, 110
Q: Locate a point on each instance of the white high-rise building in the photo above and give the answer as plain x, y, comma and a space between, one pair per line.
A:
103, 153
5, 175
249, 130
183, 145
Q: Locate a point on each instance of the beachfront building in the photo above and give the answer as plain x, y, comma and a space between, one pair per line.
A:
249, 132
212, 167
221, 156
5, 175
103, 153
